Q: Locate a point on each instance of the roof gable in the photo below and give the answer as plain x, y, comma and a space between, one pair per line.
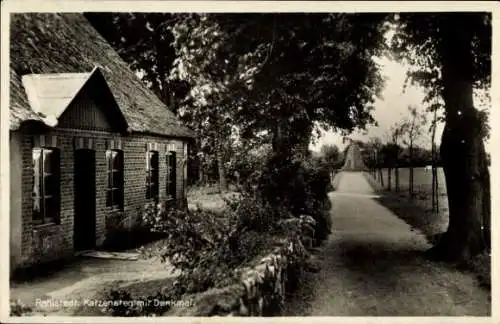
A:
50, 96
94, 107
50, 43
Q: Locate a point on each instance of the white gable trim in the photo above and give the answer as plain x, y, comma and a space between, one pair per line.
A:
31, 83
33, 88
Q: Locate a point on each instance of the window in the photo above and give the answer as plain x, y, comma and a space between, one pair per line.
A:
152, 175
171, 174
46, 185
114, 198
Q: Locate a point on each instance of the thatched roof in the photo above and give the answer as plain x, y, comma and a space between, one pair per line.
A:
50, 43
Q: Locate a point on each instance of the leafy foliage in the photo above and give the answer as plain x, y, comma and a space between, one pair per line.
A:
207, 247
235, 76
244, 67
18, 308
450, 55
117, 228
144, 41
390, 155
412, 127
330, 156
300, 186
421, 41
246, 163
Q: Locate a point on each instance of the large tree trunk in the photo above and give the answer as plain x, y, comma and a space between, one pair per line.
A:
467, 183
462, 152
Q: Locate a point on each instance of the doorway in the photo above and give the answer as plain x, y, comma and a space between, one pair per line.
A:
84, 231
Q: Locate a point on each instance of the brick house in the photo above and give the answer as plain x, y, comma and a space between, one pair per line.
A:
90, 145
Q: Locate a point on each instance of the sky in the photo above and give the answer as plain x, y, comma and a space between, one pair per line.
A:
389, 109
392, 107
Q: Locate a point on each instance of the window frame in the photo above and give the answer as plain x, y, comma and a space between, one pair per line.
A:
119, 185
171, 171
152, 187
40, 215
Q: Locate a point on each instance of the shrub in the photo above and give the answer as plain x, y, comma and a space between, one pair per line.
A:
205, 247
299, 187
138, 235
18, 308
208, 248
252, 212
247, 163
317, 201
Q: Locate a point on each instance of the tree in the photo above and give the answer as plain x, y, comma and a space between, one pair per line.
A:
411, 129
389, 153
249, 63
144, 41
330, 155
240, 72
395, 135
450, 54
375, 145
434, 155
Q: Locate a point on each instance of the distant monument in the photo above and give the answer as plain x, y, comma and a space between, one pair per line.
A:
354, 159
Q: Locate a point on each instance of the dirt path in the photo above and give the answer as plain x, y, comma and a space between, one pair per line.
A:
372, 266
70, 291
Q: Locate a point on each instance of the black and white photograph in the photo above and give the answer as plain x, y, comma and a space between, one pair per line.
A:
248, 160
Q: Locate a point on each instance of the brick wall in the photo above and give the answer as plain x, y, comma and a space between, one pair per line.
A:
51, 241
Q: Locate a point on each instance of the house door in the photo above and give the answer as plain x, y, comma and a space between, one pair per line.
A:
84, 235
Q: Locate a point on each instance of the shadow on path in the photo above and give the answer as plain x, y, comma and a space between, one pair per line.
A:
373, 265
431, 224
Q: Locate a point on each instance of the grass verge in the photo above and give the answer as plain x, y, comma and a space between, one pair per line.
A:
431, 224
